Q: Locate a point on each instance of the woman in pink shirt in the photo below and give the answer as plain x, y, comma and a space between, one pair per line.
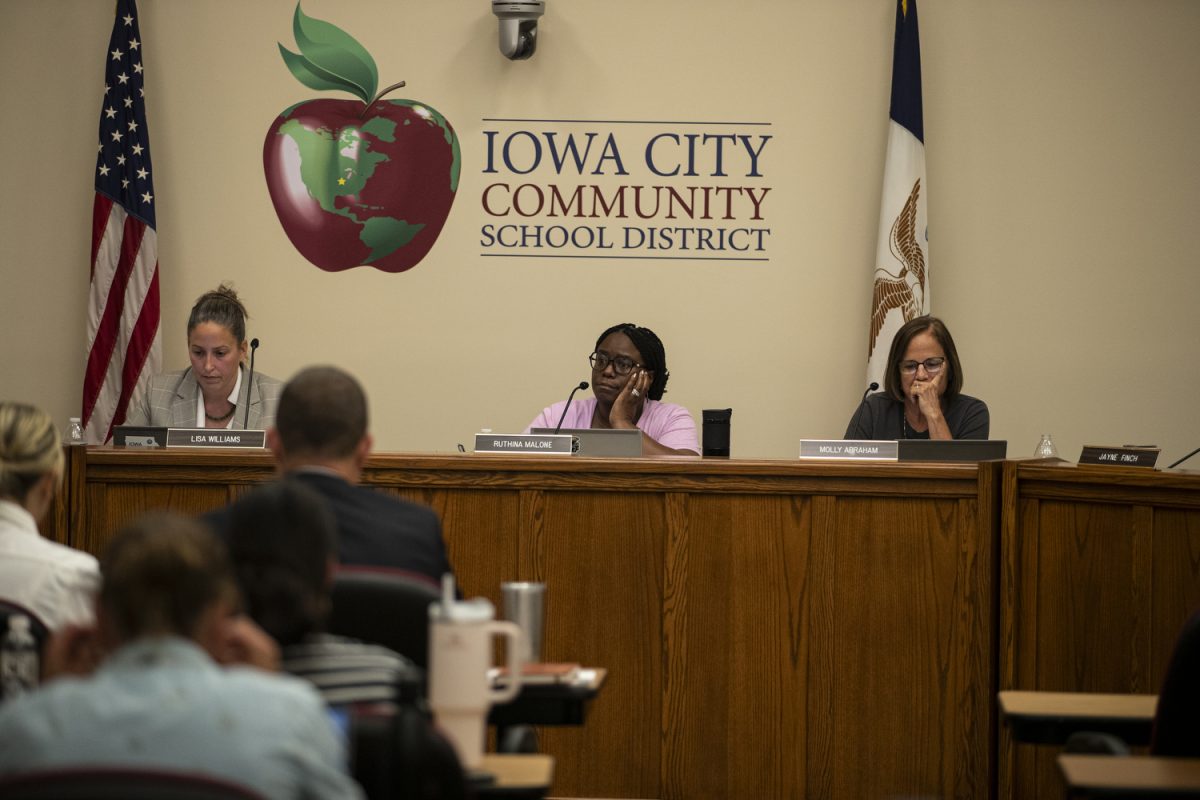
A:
629, 376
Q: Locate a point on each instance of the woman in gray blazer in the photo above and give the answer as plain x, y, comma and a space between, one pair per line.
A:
214, 392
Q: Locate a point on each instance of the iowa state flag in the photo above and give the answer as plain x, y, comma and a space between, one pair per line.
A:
901, 287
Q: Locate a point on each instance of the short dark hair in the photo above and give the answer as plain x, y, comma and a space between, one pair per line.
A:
160, 573
909, 331
281, 537
650, 347
322, 412
223, 307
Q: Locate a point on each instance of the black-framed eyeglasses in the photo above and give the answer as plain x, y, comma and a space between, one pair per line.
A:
932, 365
621, 364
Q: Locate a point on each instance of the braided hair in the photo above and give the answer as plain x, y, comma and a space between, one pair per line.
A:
653, 355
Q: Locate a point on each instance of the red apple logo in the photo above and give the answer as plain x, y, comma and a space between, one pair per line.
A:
365, 182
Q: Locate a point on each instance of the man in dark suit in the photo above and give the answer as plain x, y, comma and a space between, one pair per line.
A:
320, 438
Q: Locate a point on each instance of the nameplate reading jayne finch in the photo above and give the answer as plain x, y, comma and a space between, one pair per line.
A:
852, 449
543, 443
1126, 456
214, 437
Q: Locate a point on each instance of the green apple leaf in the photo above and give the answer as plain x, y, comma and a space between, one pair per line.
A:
309, 75
334, 56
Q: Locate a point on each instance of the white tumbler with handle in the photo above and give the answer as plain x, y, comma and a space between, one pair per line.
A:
460, 655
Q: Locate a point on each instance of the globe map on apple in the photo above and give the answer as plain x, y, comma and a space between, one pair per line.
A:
366, 182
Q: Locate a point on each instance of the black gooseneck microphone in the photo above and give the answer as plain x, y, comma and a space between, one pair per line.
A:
862, 404
1185, 458
250, 382
570, 397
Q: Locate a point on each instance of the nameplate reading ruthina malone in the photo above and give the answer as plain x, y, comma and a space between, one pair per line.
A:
851, 449
215, 437
544, 443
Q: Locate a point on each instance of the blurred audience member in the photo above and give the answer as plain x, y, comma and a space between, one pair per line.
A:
160, 700
320, 438
282, 541
55, 583
1177, 720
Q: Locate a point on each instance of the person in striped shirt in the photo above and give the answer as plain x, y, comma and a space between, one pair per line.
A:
282, 541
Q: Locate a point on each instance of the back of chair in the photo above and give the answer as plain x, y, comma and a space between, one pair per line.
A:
1177, 720
97, 783
400, 755
41, 633
384, 607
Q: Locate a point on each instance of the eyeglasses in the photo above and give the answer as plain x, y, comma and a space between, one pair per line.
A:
621, 364
932, 365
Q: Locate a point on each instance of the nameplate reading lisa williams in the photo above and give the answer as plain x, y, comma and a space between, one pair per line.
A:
544, 443
212, 437
854, 449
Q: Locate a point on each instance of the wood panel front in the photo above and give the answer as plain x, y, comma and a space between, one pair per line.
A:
770, 629
1102, 568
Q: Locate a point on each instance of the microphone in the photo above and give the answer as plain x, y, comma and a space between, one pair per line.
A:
570, 397
861, 405
1185, 458
250, 382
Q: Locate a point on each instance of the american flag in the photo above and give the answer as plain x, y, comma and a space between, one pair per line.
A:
124, 347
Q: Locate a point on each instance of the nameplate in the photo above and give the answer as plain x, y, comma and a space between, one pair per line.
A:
1119, 456
856, 449
214, 437
543, 443
139, 436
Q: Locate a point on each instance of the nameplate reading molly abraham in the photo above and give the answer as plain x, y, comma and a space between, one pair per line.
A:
849, 449
212, 437
542, 443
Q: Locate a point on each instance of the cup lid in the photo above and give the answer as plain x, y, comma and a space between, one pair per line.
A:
477, 609
523, 586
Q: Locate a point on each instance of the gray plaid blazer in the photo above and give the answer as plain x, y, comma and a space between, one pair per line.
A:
169, 401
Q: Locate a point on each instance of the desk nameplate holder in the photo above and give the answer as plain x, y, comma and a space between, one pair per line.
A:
142, 436
215, 437
849, 449
1111, 456
529, 443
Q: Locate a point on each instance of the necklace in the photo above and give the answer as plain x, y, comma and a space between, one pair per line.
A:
907, 430
223, 417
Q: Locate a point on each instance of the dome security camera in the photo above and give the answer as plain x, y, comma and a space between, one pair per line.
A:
518, 26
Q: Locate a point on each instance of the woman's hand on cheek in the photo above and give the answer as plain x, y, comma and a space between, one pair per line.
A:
627, 407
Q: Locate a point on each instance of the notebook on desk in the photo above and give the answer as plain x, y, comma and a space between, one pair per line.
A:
601, 441
952, 449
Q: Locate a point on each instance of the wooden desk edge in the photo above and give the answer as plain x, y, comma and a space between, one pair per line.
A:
1020, 704
520, 770
1144, 773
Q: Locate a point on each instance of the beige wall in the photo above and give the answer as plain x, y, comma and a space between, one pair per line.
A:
1064, 192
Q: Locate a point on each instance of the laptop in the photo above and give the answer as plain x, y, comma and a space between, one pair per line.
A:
597, 442
139, 436
952, 449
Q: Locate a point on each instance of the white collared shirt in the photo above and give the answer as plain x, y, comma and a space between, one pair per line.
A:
55, 582
202, 419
